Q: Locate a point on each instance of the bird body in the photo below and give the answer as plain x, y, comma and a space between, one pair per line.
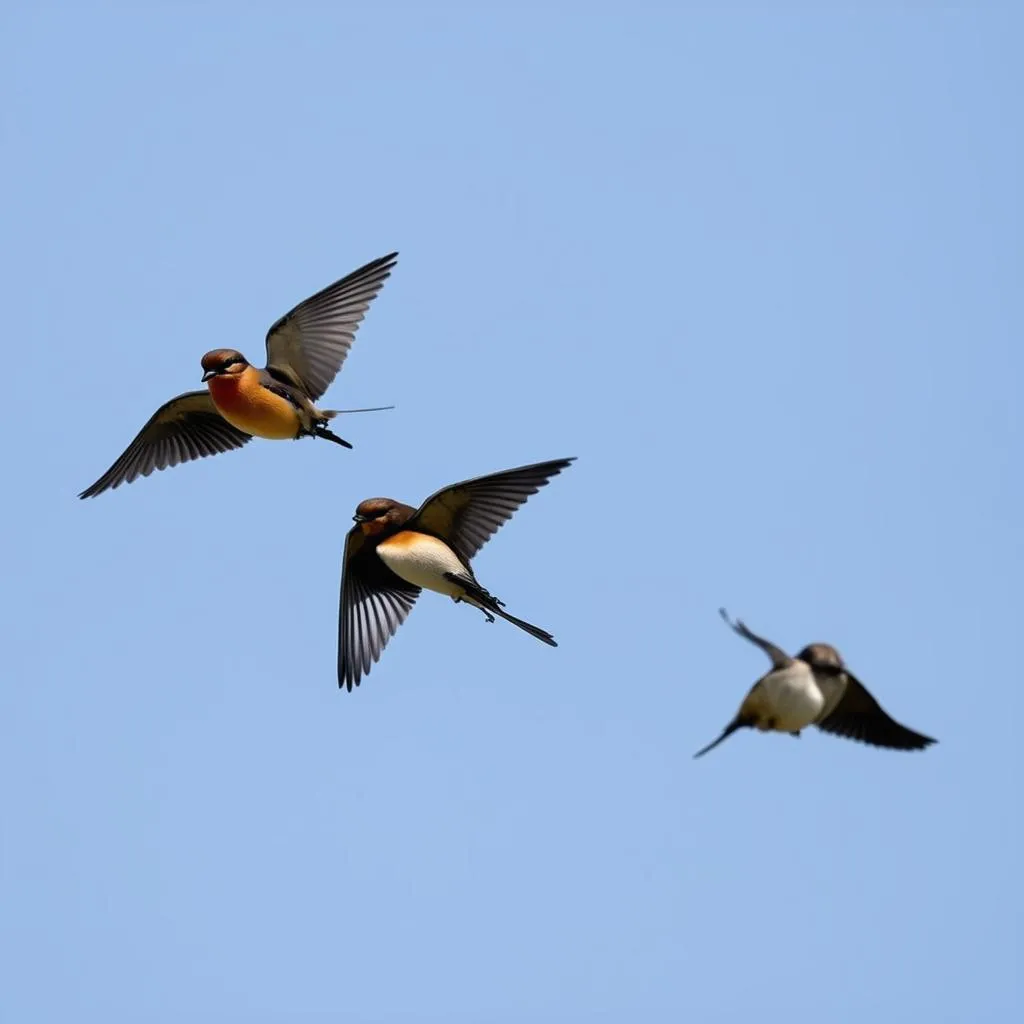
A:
785, 700
424, 561
260, 402
246, 403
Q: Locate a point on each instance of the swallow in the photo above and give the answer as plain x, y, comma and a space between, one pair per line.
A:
814, 688
394, 551
305, 350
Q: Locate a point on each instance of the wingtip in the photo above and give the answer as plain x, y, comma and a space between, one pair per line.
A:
346, 683
384, 263
557, 465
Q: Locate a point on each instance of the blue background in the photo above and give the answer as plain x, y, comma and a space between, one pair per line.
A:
760, 271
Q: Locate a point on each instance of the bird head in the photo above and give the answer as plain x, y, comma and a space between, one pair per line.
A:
223, 362
821, 656
378, 514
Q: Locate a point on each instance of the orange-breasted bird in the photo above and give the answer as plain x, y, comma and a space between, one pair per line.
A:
814, 688
305, 350
395, 550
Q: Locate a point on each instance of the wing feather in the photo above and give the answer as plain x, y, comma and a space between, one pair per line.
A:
185, 428
858, 716
374, 603
308, 344
466, 515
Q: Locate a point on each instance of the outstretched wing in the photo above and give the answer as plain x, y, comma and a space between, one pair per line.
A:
374, 603
858, 716
187, 427
468, 514
308, 345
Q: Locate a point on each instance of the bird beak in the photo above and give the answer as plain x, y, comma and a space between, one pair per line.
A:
357, 518
209, 374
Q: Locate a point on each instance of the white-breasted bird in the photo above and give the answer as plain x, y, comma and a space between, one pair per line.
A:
814, 688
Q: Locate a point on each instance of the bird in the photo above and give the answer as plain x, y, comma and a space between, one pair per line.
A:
394, 551
305, 350
814, 688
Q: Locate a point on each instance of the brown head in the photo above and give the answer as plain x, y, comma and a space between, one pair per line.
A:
821, 656
223, 362
379, 515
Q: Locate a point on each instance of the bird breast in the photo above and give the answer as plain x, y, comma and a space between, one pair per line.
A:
422, 560
788, 697
247, 405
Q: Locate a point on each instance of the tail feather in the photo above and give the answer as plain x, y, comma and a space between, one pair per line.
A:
329, 414
736, 723
540, 634
329, 435
489, 602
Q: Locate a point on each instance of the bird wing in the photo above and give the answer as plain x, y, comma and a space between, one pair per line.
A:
374, 603
779, 658
468, 514
185, 428
308, 345
858, 716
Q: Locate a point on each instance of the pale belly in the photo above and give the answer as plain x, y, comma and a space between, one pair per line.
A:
422, 560
255, 410
791, 697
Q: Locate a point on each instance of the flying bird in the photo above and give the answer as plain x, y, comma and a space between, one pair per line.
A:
305, 350
814, 688
395, 550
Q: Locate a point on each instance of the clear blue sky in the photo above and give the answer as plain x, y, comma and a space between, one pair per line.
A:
760, 272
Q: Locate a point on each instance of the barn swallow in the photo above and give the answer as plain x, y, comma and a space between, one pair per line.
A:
814, 688
305, 350
395, 550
